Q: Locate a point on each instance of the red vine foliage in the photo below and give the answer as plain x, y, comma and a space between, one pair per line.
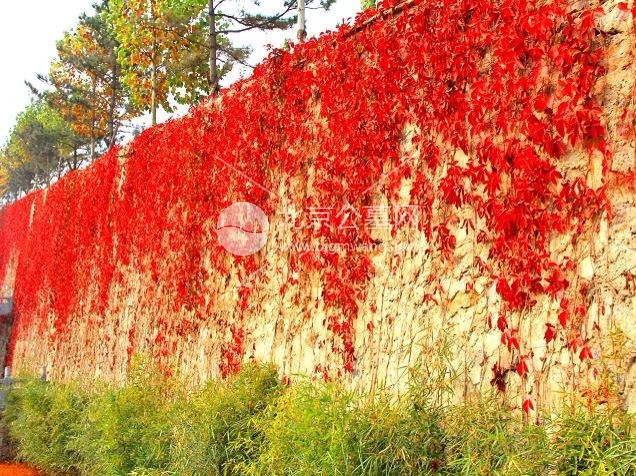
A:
509, 84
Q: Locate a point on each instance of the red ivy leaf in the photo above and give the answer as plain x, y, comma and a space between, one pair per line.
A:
527, 406
574, 344
522, 368
502, 323
550, 333
586, 353
563, 317
510, 341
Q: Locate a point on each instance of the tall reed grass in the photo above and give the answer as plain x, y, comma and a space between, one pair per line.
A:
253, 425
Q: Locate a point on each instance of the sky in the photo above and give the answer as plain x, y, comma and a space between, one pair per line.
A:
30, 28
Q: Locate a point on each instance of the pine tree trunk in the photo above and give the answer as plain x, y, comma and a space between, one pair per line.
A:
153, 98
93, 124
302, 25
113, 99
214, 79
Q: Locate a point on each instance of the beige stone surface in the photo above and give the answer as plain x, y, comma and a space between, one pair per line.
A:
417, 305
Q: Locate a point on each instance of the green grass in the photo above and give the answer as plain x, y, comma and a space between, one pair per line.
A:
43, 420
126, 429
253, 425
486, 438
600, 445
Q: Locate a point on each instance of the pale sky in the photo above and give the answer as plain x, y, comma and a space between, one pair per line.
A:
30, 28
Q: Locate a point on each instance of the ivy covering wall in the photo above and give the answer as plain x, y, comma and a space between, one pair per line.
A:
469, 111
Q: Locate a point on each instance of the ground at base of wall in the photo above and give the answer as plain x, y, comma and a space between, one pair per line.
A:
9, 469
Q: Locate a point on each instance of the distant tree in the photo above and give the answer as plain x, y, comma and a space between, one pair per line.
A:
180, 49
101, 61
40, 148
84, 83
164, 49
237, 20
367, 4
4, 178
76, 93
192, 77
145, 50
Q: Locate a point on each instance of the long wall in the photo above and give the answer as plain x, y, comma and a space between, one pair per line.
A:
449, 188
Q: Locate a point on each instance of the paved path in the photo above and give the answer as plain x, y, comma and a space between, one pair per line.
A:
16, 470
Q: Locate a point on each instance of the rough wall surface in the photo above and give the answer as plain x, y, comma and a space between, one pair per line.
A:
447, 184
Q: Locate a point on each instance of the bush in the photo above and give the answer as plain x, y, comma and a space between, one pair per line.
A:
306, 432
128, 429
397, 439
253, 425
43, 420
216, 430
485, 437
321, 429
588, 443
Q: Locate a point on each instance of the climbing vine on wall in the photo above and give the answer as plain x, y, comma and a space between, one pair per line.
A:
497, 94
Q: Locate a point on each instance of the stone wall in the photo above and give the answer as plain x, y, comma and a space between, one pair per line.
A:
421, 312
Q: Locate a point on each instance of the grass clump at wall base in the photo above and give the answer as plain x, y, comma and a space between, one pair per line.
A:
253, 425
44, 421
306, 432
128, 428
485, 438
602, 445
218, 429
320, 429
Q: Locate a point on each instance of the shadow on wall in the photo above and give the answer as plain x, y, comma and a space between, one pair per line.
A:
6, 319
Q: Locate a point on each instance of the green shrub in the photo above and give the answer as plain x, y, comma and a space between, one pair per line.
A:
216, 429
320, 429
486, 438
602, 443
306, 433
128, 429
43, 420
401, 439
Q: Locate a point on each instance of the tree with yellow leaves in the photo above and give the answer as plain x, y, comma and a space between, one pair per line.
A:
84, 82
153, 37
181, 49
